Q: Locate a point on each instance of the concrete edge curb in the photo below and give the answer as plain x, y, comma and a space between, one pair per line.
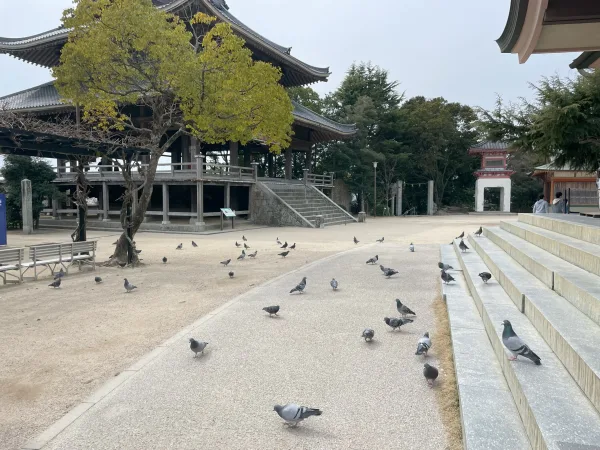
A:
110, 385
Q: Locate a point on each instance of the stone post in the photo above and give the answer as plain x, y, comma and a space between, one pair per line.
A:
200, 192
227, 195
255, 170
430, 198
27, 206
399, 189
105, 201
305, 176
55, 207
288, 163
165, 210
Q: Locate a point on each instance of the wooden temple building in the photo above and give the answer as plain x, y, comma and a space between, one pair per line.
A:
194, 182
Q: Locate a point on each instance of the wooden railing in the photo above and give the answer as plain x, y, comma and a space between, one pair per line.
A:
317, 179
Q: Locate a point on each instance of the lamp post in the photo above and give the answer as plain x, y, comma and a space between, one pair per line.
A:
375, 188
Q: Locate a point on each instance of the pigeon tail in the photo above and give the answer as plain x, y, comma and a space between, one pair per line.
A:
421, 349
311, 412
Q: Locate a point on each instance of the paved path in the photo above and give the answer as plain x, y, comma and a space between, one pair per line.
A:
373, 395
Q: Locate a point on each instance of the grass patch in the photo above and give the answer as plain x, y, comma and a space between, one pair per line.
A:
447, 391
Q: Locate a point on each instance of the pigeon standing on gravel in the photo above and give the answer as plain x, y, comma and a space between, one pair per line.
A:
231, 274
411, 247
355, 240
197, 347
383, 269
60, 274
164, 260
128, 286
300, 287
460, 236
444, 266
485, 276
284, 254
284, 245
272, 310
463, 247
55, 283
430, 373
373, 260
98, 280
423, 345
389, 272
403, 309
242, 256
334, 284
446, 277
478, 232
244, 238
253, 255
246, 246
294, 414
237, 245
226, 262
194, 244
278, 241
516, 346
179, 247
368, 334
394, 322
293, 247
381, 240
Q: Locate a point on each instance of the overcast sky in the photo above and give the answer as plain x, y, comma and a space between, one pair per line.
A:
432, 47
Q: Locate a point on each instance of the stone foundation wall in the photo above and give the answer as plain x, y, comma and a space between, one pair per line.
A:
341, 194
268, 209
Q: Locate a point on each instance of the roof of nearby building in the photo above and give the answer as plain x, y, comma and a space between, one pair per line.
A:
490, 147
44, 48
45, 98
586, 60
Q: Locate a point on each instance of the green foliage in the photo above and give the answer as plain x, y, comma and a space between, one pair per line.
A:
525, 188
41, 175
307, 97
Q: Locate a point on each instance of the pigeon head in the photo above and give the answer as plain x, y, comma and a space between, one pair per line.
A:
508, 329
398, 302
427, 366
277, 408
440, 265
386, 320
426, 334
192, 340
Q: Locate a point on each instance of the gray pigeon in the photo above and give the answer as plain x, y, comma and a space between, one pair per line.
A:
300, 287
60, 274
478, 232
284, 254
356, 240
444, 266
380, 240
460, 236
278, 241
237, 245
194, 244
516, 346
284, 246
423, 345
253, 255
396, 322
373, 260
244, 238
242, 256
403, 309
368, 334
389, 272
179, 247
294, 414
98, 280
446, 277
55, 283
485, 276
197, 347
383, 269
334, 284
430, 373
226, 262
128, 286
246, 246
411, 247
293, 246
463, 247
231, 274
272, 310
164, 260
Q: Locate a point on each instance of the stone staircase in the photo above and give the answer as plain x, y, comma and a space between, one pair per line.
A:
546, 281
308, 202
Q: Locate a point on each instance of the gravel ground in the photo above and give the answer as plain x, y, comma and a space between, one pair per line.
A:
60, 345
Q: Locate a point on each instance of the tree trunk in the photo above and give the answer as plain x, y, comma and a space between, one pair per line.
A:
81, 194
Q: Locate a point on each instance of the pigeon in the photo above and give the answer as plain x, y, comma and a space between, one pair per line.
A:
430, 373
98, 280
389, 272
411, 247
446, 277
403, 309
55, 283
462, 235
242, 256
246, 246
244, 238
368, 334
485, 276
334, 284
423, 345
179, 247
237, 245
463, 246
356, 240
381, 240
293, 247
284, 254
164, 260
284, 245
194, 244
197, 347
278, 241
60, 274
516, 346
272, 310
231, 274
373, 260
396, 323
443, 266
383, 269
478, 232
253, 255
128, 286
294, 414
138, 251
300, 287
226, 262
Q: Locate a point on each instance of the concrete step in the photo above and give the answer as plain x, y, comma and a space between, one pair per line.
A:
578, 227
482, 388
555, 412
577, 252
572, 336
578, 286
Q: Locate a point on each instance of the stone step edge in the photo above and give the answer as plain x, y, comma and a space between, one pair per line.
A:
575, 230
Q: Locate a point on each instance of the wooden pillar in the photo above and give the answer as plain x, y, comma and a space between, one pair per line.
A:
288, 163
233, 153
105, 201
270, 165
165, 210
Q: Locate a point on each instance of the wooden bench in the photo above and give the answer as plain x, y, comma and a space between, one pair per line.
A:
10, 264
53, 256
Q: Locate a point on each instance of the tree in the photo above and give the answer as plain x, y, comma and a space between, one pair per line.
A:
189, 77
307, 97
525, 188
41, 175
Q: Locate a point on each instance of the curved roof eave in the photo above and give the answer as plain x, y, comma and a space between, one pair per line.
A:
585, 60
514, 25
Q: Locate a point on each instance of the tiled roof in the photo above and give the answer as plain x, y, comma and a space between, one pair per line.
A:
489, 145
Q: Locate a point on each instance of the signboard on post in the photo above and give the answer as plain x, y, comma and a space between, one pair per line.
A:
3, 226
227, 212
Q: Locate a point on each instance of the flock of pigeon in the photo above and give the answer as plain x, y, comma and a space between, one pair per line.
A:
509, 338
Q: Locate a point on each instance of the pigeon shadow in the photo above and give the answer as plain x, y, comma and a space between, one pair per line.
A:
372, 345
275, 317
203, 357
301, 430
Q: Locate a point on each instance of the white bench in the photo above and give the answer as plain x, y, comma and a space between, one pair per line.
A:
10, 264
51, 256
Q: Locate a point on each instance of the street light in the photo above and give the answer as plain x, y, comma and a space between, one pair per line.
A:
375, 188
